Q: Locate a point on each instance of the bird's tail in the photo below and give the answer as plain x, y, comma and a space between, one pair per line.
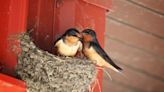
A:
119, 72
115, 67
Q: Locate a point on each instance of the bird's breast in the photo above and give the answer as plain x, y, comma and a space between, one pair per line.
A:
67, 50
93, 55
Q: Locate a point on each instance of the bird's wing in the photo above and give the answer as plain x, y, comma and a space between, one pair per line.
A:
103, 54
57, 41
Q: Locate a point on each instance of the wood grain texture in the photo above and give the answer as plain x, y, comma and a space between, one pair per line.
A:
134, 39
153, 5
138, 17
121, 32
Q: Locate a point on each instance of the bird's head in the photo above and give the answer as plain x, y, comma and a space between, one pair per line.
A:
72, 35
89, 35
72, 32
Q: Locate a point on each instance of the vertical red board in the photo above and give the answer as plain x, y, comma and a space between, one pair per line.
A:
13, 15
106, 4
40, 20
64, 17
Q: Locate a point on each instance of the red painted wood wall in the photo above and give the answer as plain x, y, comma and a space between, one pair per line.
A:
13, 18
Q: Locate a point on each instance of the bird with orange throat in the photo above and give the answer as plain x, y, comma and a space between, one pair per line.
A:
93, 51
69, 44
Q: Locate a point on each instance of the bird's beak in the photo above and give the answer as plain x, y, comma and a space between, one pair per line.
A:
83, 34
80, 36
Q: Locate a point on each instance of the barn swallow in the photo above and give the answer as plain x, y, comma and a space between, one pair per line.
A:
69, 43
93, 51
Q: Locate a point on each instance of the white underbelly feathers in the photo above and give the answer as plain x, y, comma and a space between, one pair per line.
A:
67, 50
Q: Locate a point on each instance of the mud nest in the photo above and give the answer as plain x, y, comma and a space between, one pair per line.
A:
44, 72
